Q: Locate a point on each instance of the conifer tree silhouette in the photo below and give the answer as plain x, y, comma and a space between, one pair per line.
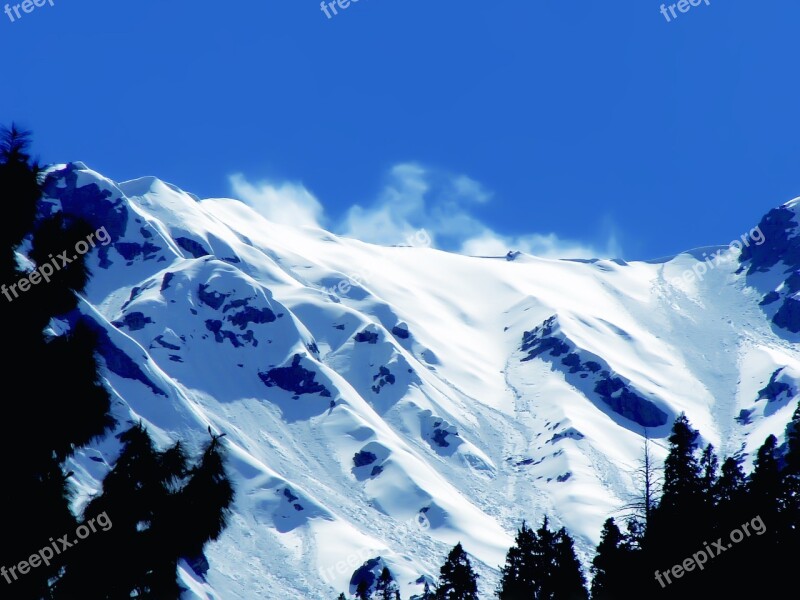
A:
457, 580
65, 406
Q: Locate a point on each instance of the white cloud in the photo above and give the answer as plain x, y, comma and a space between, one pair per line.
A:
389, 219
285, 203
548, 245
468, 188
415, 198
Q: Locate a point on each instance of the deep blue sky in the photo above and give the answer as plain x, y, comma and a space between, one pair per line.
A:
583, 119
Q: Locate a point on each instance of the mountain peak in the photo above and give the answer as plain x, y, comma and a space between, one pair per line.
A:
384, 403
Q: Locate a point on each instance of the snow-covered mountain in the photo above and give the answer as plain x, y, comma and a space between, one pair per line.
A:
383, 403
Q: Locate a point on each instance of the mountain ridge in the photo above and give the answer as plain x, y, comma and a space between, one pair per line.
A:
441, 389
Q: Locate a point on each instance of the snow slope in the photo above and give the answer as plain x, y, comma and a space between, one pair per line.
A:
433, 398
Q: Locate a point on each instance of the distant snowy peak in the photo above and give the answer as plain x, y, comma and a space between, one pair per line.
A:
775, 240
771, 259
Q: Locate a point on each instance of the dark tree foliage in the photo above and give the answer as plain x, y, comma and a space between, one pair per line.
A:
542, 565
427, 593
764, 483
790, 488
676, 526
730, 487
568, 580
709, 465
793, 443
132, 493
517, 576
743, 529
683, 486
363, 591
457, 580
55, 403
202, 506
385, 587
608, 566
161, 509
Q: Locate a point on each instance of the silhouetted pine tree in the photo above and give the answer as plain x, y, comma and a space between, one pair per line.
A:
790, 492
568, 580
116, 563
765, 481
517, 575
203, 505
677, 524
164, 537
385, 587
543, 558
427, 593
457, 580
162, 511
709, 465
683, 487
762, 508
363, 590
731, 484
765, 488
610, 580
64, 406
707, 517
732, 509
542, 564
793, 442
